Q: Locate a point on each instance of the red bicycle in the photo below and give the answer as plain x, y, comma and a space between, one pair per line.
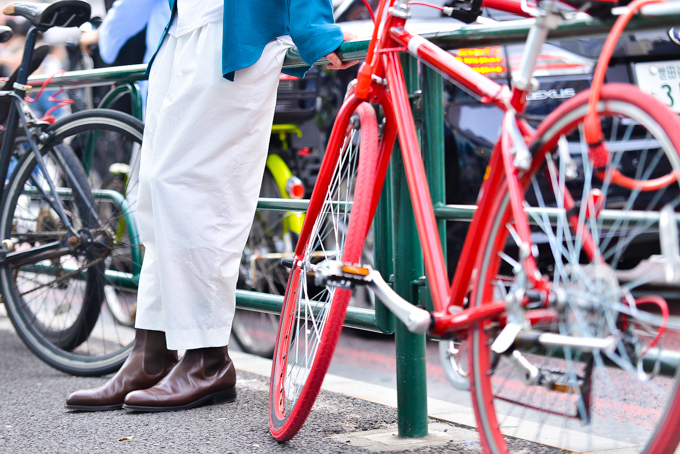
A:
554, 319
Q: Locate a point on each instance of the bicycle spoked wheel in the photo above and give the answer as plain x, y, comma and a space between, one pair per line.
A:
312, 316
608, 261
109, 143
75, 314
261, 271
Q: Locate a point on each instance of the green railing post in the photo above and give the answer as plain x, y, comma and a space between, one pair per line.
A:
433, 144
130, 88
408, 267
382, 253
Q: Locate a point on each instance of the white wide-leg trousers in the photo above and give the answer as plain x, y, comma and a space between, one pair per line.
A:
202, 160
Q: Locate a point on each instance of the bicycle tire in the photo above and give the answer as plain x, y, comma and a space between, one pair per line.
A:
102, 350
255, 332
113, 141
292, 394
608, 408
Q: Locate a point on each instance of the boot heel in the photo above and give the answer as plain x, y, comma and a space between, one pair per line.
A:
228, 395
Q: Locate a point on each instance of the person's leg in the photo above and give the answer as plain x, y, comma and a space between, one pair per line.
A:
211, 144
150, 360
149, 313
204, 190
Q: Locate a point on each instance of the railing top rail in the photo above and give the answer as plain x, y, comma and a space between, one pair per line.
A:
92, 77
651, 17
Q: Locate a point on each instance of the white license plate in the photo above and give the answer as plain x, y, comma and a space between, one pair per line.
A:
662, 80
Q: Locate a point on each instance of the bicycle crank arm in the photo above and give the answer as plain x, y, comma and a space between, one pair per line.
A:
584, 344
45, 252
417, 320
337, 274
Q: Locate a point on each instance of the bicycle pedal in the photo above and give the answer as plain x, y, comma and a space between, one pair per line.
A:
561, 381
341, 275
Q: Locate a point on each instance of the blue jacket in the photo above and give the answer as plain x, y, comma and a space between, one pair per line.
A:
250, 24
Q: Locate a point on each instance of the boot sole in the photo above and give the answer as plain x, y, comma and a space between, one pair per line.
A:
220, 397
93, 408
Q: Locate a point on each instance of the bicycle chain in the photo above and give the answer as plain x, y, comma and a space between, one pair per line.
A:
65, 276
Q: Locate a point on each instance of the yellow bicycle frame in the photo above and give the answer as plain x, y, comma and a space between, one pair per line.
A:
292, 220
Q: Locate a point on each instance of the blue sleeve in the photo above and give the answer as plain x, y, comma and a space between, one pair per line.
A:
158, 19
313, 29
123, 21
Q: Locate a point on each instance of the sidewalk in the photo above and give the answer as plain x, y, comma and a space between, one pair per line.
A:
33, 419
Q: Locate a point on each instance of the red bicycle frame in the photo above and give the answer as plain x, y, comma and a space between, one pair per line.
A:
381, 70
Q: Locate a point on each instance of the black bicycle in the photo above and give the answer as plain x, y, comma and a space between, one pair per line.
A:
64, 248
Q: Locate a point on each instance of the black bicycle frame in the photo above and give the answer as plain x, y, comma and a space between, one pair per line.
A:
15, 119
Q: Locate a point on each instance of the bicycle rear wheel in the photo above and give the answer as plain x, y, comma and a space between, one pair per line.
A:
78, 322
312, 316
625, 399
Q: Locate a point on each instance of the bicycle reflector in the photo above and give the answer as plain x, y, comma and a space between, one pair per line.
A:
295, 188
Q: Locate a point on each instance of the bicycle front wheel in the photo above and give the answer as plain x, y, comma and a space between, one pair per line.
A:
312, 316
108, 143
74, 314
607, 259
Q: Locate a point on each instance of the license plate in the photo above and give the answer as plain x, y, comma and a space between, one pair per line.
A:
662, 80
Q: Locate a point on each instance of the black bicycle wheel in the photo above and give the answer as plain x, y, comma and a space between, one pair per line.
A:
75, 314
109, 142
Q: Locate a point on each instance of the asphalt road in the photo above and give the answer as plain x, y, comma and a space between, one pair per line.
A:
33, 419
373, 358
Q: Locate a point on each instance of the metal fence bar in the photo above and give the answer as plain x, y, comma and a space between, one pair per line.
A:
606, 217
513, 32
408, 268
92, 77
125, 89
264, 302
464, 212
650, 17
433, 148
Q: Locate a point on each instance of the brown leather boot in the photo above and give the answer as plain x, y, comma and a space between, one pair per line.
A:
147, 364
204, 375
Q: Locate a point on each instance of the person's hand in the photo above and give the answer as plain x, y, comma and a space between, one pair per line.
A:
335, 62
87, 40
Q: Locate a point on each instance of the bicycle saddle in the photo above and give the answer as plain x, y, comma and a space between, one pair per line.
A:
62, 13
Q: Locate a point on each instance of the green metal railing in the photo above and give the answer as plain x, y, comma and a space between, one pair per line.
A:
122, 90
394, 224
650, 17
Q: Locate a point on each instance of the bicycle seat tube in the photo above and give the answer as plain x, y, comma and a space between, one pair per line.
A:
12, 118
523, 81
